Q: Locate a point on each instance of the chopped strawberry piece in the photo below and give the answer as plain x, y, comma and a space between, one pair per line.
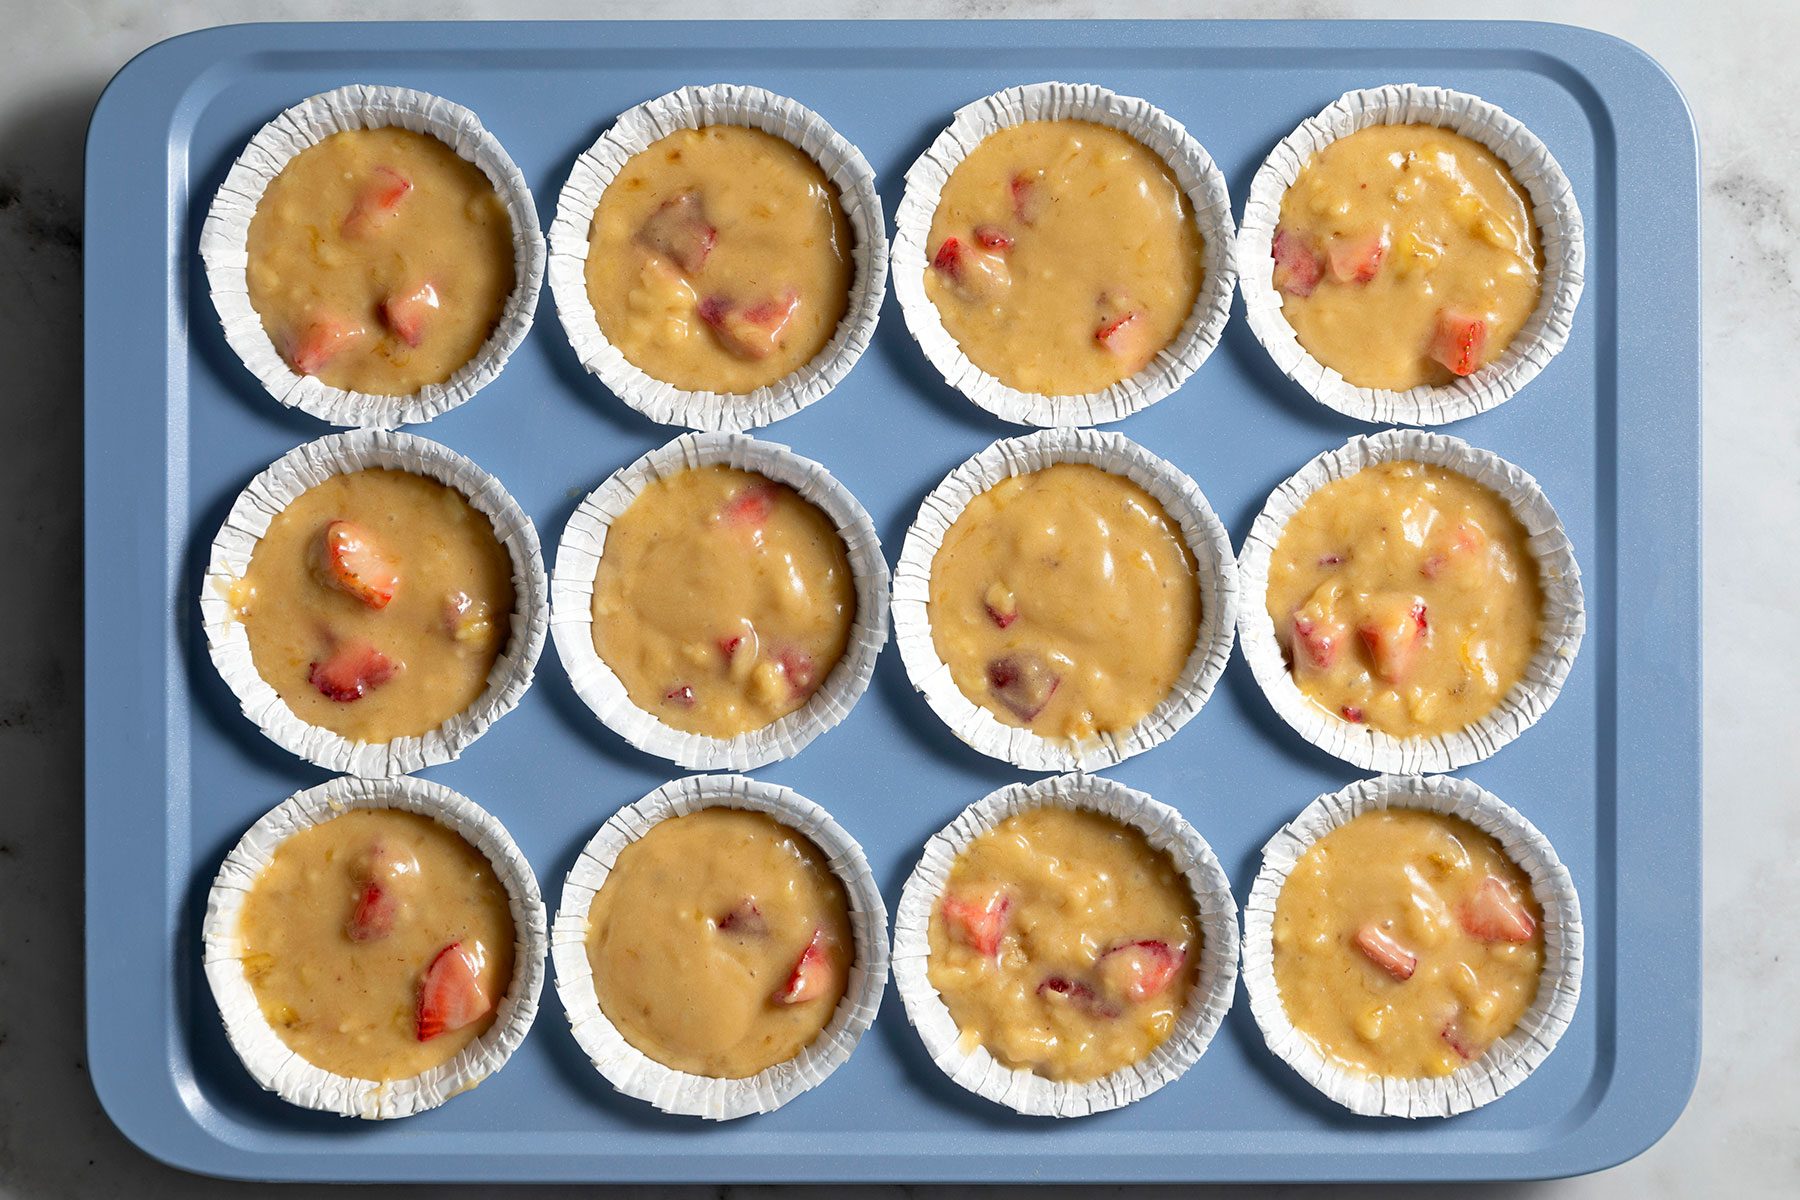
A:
679, 232
1002, 619
745, 918
1331, 560
751, 504
407, 311
978, 274
351, 671
353, 562
1466, 544
1028, 196
750, 331
801, 671
976, 921
993, 237
681, 696
1352, 714
1393, 630
378, 203
373, 917
949, 257
1460, 340
1386, 953
1356, 259
1078, 994
1316, 642
451, 996
741, 650
1466, 1047
1126, 334
1495, 914
811, 977
1137, 971
1297, 265
1001, 605
321, 341
1023, 682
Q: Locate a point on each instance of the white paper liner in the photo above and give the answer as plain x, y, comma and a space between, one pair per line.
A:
1505, 1063
1563, 624
1194, 170
695, 108
625, 1066
1215, 572
283, 482
1553, 208
268, 1059
225, 235
1025, 1091
578, 563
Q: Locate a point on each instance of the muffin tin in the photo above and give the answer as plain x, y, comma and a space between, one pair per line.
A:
176, 427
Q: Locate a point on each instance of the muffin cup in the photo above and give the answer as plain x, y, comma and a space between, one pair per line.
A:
1508, 1061
1554, 209
268, 1059
1518, 710
1196, 173
224, 248
629, 1069
578, 563
283, 482
1025, 1091
696, 108
1216, 574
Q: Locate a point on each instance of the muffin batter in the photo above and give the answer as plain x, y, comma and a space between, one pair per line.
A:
1406, 942
720, 259
1064, 943
379, 943
723, 600
1406, 256
1065, 602
376, 604
1407, 598
380, 261
1064, 256
721, 943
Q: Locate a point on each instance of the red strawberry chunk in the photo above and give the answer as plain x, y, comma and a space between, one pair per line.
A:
1029, 196
812, 975
1460, 341
681, 696
977, 921
1394, 629
1495, 914
1078, 994
751, 504
408, 310
1297, 265
351, 671
745, 919
378, 203
1356, 259
354, 563
740, 649
1352, 714
679, 231
750, 331
1315, 643
949, 257
1466, 545
1137, 971
1467, 1047
993, 237
1125, 333
451, 996
1386, 953
373, 917
801, 672
1023, 682
977, 274
1000, 617
321, 341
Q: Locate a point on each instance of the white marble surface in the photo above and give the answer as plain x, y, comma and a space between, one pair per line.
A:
1741, 1135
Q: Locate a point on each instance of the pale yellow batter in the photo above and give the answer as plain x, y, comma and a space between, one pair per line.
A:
1406, 942
380, 261
1064, 943
379, 943
720, 943
1406, 255
723, 600
1065, 601
376, 604
1407, 598
1064, 255
720, 259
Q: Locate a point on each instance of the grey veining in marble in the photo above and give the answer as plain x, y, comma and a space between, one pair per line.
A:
1735, 59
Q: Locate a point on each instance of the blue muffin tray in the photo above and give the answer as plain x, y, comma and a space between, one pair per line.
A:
176, 426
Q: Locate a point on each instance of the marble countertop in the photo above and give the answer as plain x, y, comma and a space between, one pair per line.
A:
1740, 1137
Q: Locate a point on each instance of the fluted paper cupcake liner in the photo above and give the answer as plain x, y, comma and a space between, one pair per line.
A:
636, 1074
1200, 180
1564, 618
1025, 1091
224, 248
1554, 209
578, 563
1216, 574
280, 1069
1507, 1062
696, 108
283, 482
